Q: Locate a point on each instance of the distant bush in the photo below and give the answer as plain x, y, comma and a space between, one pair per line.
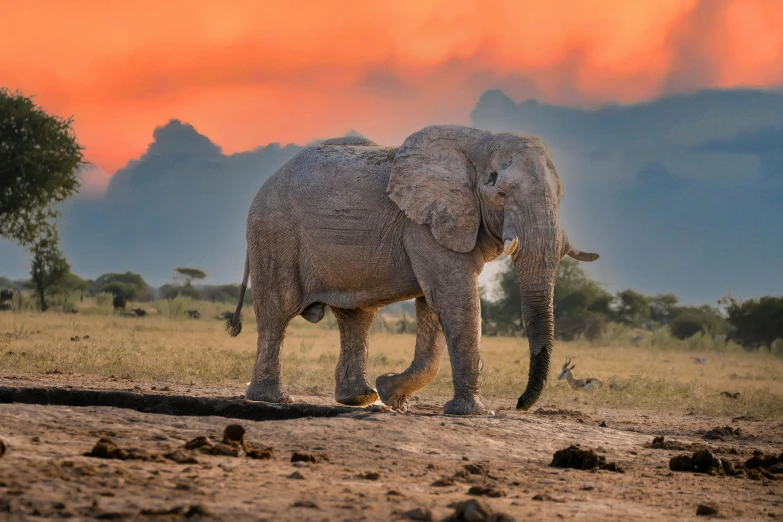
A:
755, 322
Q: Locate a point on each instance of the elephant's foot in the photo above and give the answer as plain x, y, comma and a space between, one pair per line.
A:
266, 392
391, 392
355, 393
471, 405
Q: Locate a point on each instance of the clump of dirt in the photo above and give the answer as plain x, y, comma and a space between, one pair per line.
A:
475, 510
370, 475
544, 497
660, 442
586, 459
2, 448
471, 474
232, 445
560, 412
181, 457
106, 448
309, 504
298, 456
705, 510
483, 491
720, 432
179, 511
201, 444
730, 395
760, 460
704, 461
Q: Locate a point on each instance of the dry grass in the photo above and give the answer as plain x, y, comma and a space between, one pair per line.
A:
165, 349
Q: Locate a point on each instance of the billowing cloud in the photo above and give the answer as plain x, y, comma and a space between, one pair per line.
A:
248, 73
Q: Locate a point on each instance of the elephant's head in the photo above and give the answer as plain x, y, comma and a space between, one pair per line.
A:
456, 179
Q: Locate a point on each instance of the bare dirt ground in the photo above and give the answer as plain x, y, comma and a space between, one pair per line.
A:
374, 465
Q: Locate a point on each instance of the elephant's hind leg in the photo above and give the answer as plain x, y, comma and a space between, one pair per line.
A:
351, 374
396, 388
273, 311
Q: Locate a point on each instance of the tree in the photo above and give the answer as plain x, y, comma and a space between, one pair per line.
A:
48, 265
663, 308
633, 308
755, 322
130, 285
189, 274
686, 321
39, 156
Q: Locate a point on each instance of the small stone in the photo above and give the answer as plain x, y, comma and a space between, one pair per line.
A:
370, 475
296, 475
776, 468
602, 425
2, 448
706, 511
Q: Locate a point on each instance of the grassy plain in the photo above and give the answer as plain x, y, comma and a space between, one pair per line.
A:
657, 373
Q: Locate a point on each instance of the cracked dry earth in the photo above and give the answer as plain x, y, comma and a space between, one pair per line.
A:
381, 465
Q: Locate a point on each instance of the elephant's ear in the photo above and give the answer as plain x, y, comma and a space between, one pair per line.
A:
432, 181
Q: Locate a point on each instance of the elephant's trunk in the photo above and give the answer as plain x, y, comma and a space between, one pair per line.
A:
537, 315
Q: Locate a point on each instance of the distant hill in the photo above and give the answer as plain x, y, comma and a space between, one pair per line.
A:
683, 194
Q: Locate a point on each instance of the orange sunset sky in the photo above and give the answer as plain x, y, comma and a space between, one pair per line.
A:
247, 73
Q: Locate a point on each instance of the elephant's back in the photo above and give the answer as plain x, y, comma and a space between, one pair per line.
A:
330, 175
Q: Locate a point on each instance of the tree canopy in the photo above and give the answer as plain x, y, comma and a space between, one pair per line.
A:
189, 274
39, 156
129, 285
755, 322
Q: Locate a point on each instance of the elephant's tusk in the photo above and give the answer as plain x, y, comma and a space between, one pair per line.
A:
582, 256
510, 245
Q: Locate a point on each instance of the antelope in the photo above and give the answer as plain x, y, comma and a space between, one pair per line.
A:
579, 384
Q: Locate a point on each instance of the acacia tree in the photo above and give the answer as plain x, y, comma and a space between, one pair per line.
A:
48, 266
189, 275
39, 156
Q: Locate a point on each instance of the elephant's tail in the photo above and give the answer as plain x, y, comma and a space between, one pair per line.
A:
234, 325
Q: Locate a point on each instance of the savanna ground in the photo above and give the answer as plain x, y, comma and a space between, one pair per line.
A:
380, 464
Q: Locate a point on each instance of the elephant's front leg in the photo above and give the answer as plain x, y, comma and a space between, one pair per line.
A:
450, 284
461, 320
396, 388
352, 387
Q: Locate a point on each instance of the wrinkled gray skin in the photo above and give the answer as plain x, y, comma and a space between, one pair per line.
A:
355, 226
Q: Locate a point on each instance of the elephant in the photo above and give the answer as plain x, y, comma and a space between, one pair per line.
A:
354, 226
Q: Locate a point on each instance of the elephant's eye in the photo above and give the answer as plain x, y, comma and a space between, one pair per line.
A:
493, 177
501, 194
